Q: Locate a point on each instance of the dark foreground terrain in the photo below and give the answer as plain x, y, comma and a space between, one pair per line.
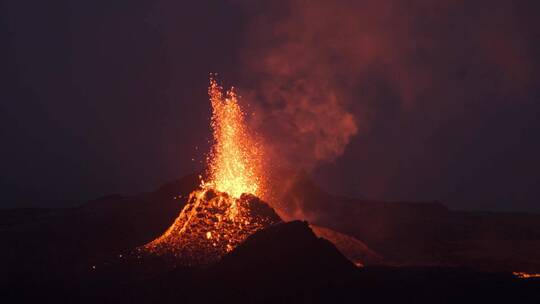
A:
85, 255
283, 263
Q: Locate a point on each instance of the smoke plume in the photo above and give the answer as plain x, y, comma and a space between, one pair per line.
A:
318, 70
320, 73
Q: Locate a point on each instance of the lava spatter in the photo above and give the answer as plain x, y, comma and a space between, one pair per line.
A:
225, 210
212, 224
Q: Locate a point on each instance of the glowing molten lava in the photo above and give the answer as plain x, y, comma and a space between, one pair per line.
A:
525, 275
235, 160
225, 211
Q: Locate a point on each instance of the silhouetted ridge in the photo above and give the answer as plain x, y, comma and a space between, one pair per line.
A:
285, 249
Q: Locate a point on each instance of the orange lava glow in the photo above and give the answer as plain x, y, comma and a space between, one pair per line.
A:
525, 275
225, 210
211, 224
235, 162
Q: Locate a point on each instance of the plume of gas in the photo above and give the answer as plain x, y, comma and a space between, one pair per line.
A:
320, 72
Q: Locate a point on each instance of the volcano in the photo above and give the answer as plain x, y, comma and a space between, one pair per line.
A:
222, 237
225, 210
211, 224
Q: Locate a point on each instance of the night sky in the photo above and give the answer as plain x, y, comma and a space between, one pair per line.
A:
428, 100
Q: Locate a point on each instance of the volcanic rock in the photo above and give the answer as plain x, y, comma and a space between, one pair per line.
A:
211, 224
289, 250
283, 263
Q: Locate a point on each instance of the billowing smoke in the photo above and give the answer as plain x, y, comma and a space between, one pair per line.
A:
316, 66
321, 73
299, 95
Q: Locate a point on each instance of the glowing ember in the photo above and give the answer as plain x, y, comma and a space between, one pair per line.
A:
209, 226
525, 275
225, 211
235, 160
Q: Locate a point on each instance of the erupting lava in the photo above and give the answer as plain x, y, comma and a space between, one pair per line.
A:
235, 159
225, 210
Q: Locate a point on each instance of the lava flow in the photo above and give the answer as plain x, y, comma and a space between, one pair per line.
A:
525, 275
225, 210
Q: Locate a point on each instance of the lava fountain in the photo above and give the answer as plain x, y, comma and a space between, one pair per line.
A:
225, 210
235, 161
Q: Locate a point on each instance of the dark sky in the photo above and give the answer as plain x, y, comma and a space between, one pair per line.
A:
103, 97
